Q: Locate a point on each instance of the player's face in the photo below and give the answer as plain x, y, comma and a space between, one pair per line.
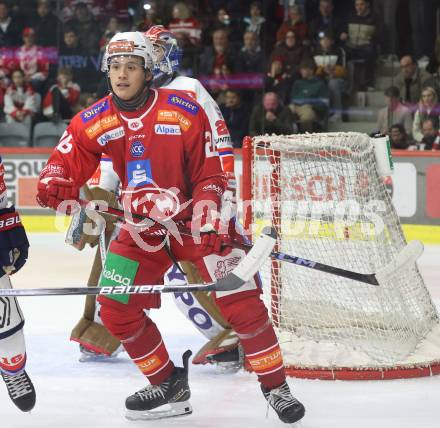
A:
127, 76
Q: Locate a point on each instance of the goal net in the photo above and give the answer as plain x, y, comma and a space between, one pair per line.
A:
327, 202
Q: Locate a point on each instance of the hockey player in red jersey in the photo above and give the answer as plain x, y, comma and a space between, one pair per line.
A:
172, 173
13, 254
96, 343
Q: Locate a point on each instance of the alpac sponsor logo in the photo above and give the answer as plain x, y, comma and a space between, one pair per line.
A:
113, 134
167, 129
137, 149
184, 104
112, 275
95, 110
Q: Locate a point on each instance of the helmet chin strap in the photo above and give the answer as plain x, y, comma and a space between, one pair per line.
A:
136, 102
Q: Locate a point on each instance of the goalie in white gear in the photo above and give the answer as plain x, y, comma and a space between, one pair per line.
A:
223, 345
13, 254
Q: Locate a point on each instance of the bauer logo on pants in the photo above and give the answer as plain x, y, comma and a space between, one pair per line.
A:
118, 271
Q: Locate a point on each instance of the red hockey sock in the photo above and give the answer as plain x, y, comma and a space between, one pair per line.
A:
142, 341
248, 317
264, 355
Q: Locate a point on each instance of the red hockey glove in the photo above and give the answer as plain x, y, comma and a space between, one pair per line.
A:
54, 188
206, 226
211, 241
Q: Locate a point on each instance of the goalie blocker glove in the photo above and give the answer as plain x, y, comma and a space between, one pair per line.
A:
14, 244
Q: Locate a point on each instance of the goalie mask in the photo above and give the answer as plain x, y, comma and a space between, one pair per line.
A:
130, 44
167, 54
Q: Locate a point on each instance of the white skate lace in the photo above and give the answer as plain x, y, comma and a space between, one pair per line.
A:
18, 385
280, 398
153, 391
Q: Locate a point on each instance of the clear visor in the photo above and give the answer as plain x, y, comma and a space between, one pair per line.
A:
119, 60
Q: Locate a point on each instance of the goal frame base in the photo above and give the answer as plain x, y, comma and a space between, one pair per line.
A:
364, 374
348, 373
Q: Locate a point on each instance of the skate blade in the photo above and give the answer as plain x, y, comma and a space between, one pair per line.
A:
227, 368
169, 410
98, 358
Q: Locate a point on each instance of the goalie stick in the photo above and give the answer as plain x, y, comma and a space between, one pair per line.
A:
242, 273
408, 255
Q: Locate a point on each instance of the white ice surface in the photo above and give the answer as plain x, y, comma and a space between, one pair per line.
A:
71, 394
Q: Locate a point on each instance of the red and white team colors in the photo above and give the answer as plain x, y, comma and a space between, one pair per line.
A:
169, 169
145, 148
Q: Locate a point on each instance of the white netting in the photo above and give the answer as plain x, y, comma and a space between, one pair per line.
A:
323, 194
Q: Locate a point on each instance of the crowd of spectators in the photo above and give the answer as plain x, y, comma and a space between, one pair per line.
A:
274, 66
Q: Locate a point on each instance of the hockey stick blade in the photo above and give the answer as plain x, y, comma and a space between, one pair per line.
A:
406, 257
409, 254
251, 263
242, 273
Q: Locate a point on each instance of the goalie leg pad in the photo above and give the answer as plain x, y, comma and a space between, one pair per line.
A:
12, 344
89, 331
199, 307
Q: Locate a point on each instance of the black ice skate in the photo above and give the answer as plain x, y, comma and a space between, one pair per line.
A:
166, 400
21, 390
288, 408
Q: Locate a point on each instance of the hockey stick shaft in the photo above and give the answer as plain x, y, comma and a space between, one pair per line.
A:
243, 272
120, 289
366, 278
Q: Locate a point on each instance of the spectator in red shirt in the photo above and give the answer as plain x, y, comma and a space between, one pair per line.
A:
294, 23
20, 100
183, 22
62, 98
32, 60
